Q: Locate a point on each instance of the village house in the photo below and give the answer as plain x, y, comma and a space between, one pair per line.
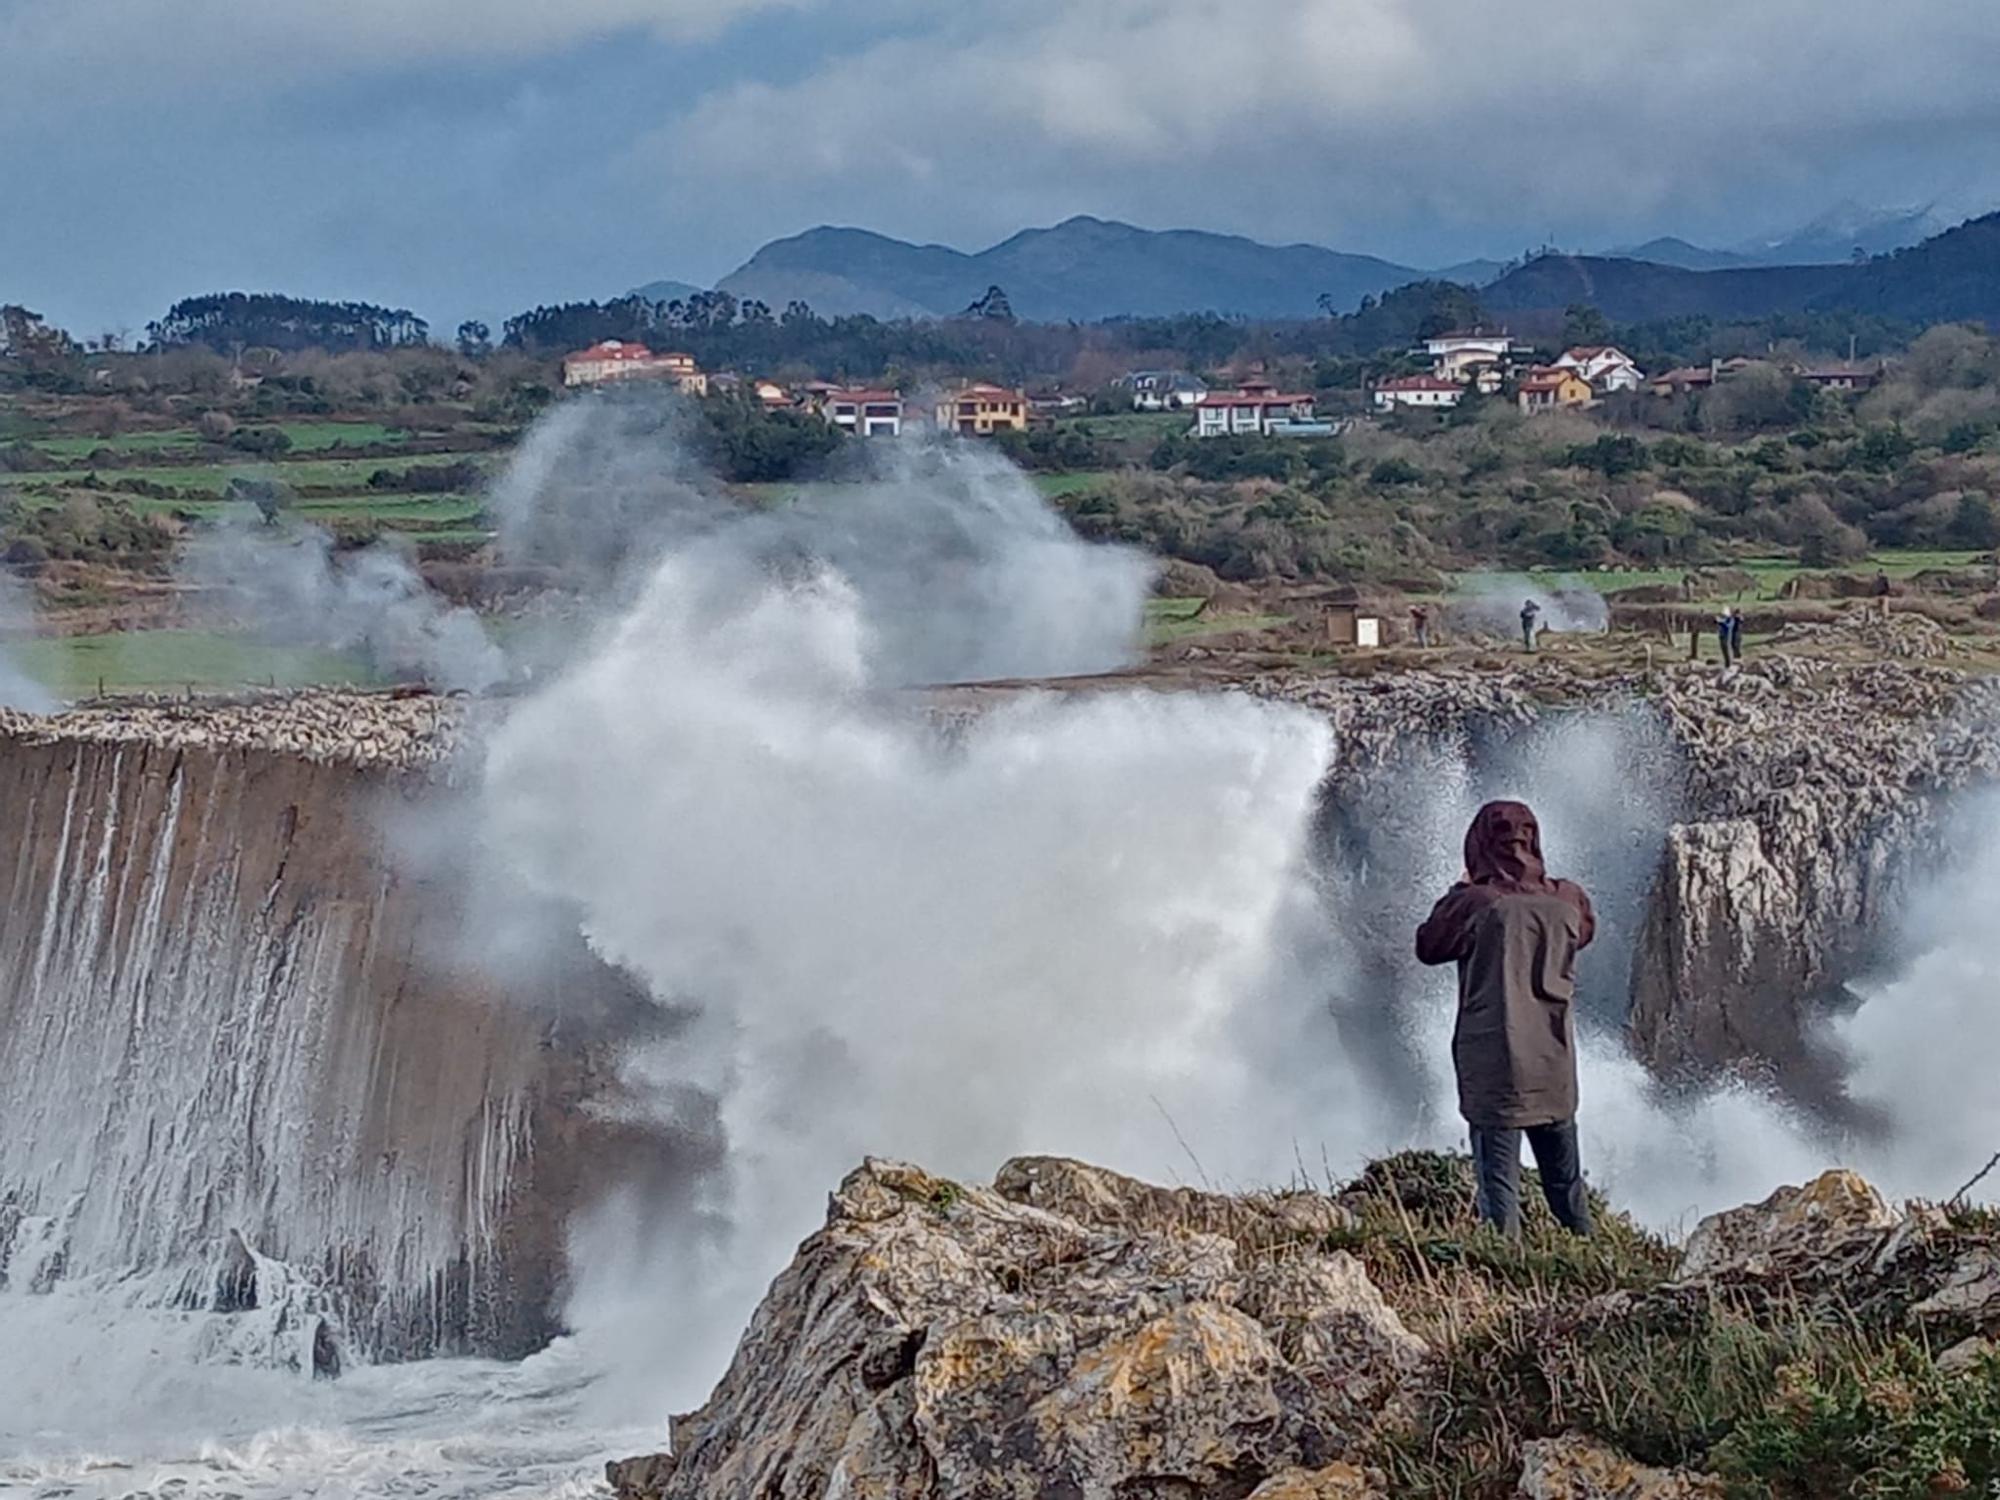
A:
1846, 377
1163, 390
1687, 378
1259, 410
1548, 388
621, 359
1463, 353
981, 410
864, 413
1607, 368
1421, 392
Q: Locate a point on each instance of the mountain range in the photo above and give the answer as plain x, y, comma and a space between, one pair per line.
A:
1082, 268
1087, 269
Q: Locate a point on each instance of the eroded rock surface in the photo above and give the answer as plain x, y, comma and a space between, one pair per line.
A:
939, 1340
1837, 1221
1576, 1468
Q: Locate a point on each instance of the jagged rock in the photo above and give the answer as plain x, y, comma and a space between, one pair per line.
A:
642, 1478
1578, 1468
1334, 1482
1971, 1293
935, 1339
1967, 1355
1096, 1196
1835, 1222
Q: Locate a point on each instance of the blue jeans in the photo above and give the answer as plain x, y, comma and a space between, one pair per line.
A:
1496, 1161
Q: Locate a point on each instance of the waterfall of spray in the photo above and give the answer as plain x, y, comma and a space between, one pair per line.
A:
17, 617
1039, 930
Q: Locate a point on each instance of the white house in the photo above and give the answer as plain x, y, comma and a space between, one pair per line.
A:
1607, 368
1418, 391
865, 413
1459, 355
1260, 411
1164, 390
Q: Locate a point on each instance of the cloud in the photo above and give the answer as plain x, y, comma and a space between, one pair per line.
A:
1326, 118
57, 52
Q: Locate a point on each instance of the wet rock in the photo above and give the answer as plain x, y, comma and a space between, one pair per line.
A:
1967, 1355
1579, 1468
643, 1478
236, 1277
939, 1339
1834, 1223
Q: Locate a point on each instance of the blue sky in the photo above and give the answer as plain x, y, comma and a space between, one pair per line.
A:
469, 159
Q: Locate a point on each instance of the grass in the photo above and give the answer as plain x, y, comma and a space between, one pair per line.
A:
1169, 620
306, 437
1771, 573
196, 480
165, 660
1055, 486
1129, 425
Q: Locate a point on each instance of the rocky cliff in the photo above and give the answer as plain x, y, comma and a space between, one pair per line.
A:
1755, 828
1070, 1332
243, 1071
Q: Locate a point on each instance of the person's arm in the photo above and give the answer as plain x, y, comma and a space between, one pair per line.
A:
1446, 935
1586, 927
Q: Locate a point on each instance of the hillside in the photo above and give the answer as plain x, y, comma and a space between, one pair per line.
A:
1951, 276
1083, 269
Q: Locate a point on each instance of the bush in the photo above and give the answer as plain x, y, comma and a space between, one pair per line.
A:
266, 442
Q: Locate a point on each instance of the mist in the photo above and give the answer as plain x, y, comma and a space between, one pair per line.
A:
17, 619
1494, 606
1102, 924
290, 587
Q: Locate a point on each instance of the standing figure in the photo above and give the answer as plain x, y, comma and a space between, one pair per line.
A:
1420, 623
1735, 635
1514, 934
1531, 614
1722, 635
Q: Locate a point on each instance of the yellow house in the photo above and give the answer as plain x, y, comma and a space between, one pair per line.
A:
1544, 389
983, 409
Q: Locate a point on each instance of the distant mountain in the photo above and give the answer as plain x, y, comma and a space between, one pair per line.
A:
1952, 275
1082, 268
1833, 237
1669, 250
666, 291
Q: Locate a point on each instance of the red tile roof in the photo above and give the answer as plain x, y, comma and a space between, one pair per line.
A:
1419, 383
864, 398
1252, 398
612, 349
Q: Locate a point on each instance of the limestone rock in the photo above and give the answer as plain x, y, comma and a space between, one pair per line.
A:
1578, 1468
944, 1340
1971, 1293
1835, 1222
639, 1478
1334, 1482
1967, 1355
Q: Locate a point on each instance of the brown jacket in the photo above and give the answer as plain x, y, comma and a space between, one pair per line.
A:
1514, 935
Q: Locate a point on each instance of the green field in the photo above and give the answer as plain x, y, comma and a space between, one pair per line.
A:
80, 666
198, 479
306, 437
1127, 425
1771, 573
1055, 486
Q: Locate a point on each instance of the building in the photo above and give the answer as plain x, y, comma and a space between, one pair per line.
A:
981, 410
1848, 377
1697, 377
1607, 368
1257, 410
1422, 392
864, 413
1163, 390
620, 359
770, 394
1458, 355
1548, 388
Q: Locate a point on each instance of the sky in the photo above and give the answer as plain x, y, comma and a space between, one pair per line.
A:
476, 157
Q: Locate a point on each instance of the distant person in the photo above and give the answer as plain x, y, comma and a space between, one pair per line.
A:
1420, 623
1735, 635
1514, 934
1531, 615
1725, 633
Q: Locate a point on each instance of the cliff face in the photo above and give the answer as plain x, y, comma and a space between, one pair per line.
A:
237, 1069
1751, 833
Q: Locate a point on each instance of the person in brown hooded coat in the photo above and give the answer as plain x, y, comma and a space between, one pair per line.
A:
1514, 934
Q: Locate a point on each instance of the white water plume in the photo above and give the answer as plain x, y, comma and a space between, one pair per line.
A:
17, 617
1493, 606
293, 588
